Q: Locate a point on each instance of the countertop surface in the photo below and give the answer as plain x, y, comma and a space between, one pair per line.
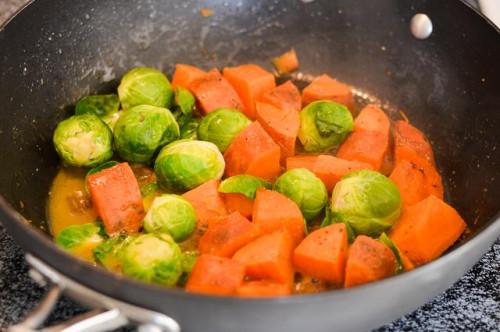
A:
472, 304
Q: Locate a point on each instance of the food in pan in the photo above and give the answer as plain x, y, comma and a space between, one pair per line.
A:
227, 183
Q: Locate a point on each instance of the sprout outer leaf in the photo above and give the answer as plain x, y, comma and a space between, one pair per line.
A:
243, 184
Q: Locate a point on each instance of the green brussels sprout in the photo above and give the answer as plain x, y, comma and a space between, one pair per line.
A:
184, 100
185, 164
80, 239
83, 140
323, 125
189, 129
243, 184
171, 214
388, 242
106, 253
366, 200
222, 126
142, 130
305, 189
153, 257
145, 86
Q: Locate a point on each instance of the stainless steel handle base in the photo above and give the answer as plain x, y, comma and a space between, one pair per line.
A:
108, 313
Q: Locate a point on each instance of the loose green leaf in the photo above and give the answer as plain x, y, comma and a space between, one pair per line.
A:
148, 189
184, 100
102, 166
388, 242
189, 129
243, 184
100, 105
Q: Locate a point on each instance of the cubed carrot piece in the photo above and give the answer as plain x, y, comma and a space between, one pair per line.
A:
286, 97
273, 211
372, 118
117, 199
331, 169
427, 229
368, 260
286, 62
411, 144
227, 235
283, 126
368, 147
268, 257
253, 152
326, 88
236, 202
207, 202
184, 75
215, 275
213, 91
263, 288
302, 161
250, 82
322, 254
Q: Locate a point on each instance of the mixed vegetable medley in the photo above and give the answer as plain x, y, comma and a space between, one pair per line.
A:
227, 183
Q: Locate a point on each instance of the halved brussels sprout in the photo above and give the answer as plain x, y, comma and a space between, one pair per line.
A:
189, 129
367, 200
171, 214
222, 126
145, 86
153, 257
142, 130
323, 125
305, 189
106, 253
80, 239
185, 164
388, 242
243, 184
83, 140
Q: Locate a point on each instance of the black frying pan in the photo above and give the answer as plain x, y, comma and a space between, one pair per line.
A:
55, 52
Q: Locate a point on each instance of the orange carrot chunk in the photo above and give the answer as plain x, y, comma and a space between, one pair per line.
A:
406, 262
410, 144
368, 147
215, 275
331, 169
268, 257
368, 260
427, 229
253, 152
117, 199
273, 211
250, 82
286, 62
322, 254
326, 88
283, 126
213, 91
236, 202
286, 97
372, 118
414, 182
304, 161
227, 235
263, 288
184, 75
207, 202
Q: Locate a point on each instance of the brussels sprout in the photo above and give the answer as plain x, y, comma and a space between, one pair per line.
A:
305, 189
142, 130
106, 254
153, 257
80, 239
388, 242
189, 129
184, 100
171, 214
323, 125
366, 200
99, 105
185, 164
222, 126
83, 140
145, 86
243, 184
